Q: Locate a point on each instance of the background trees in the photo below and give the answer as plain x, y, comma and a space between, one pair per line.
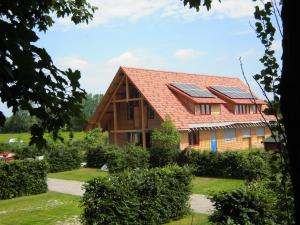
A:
29, 80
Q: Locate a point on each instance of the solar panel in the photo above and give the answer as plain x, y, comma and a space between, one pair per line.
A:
193, 90
232, 92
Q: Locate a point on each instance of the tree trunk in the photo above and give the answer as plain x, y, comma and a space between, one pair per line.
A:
290, 97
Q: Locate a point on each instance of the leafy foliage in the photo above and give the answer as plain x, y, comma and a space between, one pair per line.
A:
95, 156
20, 122
240, 165
257, 203
22, 177
153, 196
126, 158
167, 136
89, 105
62, 157
29, 79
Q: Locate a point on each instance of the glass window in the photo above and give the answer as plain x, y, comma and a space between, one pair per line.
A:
229, 134
254, 109
246, 132
205, 109
150, 112
260, 131
134, 138
194, 138
130, 111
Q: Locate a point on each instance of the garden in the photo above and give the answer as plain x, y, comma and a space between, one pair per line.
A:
140, 186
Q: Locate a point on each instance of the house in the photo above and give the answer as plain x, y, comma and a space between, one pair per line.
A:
210, 112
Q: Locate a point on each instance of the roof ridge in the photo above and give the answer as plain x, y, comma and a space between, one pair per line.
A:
194, 74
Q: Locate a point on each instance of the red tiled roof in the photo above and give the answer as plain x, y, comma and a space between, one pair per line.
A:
153, 85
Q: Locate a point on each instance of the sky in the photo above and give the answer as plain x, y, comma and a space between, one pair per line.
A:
160, 35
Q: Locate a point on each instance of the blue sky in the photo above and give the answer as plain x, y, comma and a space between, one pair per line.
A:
156, 34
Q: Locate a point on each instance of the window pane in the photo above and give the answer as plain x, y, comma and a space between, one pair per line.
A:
246, 132
207, 109
230, 134
260, 131
202, 109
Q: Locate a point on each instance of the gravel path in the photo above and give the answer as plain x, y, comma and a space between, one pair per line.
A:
199, 203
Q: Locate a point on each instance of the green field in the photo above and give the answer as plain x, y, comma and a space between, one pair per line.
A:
57, 209
26, 136
82, 174
200, 185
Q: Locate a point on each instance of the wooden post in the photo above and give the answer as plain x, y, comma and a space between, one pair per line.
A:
143, 124
127, 89
115, 122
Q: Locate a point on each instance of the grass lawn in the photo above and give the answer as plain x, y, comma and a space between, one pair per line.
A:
50, 208
200, 185
82, 174
26, 136
57, 209
205, 185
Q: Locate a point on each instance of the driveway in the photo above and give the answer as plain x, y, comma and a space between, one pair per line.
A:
199, 203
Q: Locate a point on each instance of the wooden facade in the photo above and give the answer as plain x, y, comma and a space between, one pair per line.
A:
129, 117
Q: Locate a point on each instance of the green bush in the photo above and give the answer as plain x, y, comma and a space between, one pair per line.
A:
126, 158
241, 165
62, 157
160, 157
145, 196
95, 157
26, 151
22, 177
166, 137
259, 203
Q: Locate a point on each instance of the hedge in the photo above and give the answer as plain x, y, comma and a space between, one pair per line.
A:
259, 203
62, 157
22, 177
240, 165
144, 196
95, 156
117, 159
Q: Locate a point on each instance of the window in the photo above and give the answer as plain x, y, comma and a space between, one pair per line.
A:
150, 112
260, 131
246, 133
130, 111
254, 109
205, 109
134, 138
229, 134
133, 92
194, 138
242, 109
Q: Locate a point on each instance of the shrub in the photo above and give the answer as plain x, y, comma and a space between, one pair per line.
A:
25, 151
126, 158
240, 165
260, 203
160, 157
62, 157
145, 196
165, 144
95, 137
22, 177
95, 157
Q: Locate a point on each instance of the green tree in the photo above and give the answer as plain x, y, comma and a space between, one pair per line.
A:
89, 105
166, 137
283, 82
20, 122
165, 144
29, 80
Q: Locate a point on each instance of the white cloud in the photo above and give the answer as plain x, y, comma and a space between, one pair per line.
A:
125, 59
96, 76
132, 10
187, 53
73, 63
